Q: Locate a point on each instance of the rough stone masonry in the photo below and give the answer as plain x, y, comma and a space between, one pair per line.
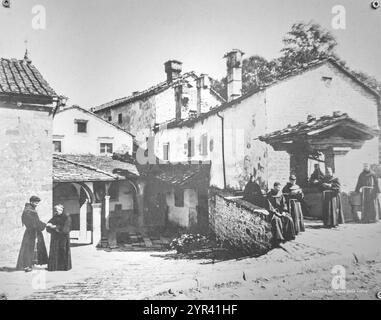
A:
26, 166
239, 225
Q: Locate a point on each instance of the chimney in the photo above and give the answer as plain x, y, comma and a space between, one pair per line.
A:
172, 69
202, 82
234, 73
178, 100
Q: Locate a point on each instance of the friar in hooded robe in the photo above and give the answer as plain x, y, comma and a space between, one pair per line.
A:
59, 228
281, 221
253, 193
332, 205
317, 176
295, 203
367, 185
33, 249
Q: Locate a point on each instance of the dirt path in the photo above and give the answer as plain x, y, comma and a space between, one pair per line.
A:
301, 270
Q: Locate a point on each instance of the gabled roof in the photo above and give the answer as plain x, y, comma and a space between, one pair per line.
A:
320, 127
77, 168
96, 116
152, 91
292, 73
179, 174
20, 77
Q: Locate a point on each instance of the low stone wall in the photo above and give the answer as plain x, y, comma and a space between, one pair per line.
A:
239, 224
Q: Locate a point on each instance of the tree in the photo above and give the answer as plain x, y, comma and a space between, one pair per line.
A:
306, 42
256, 72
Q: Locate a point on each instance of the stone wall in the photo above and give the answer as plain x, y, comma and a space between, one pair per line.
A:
25, 170
239, 225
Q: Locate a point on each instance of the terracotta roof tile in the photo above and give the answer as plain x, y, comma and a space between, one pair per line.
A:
22, 78
315, 124
151, 91
71, 168
176, 174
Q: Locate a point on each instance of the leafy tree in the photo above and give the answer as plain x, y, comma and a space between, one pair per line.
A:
306, 42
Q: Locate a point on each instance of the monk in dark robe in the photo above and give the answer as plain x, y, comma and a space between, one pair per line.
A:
59, 228
282, 225
332, 207
294, 199
367, 184
33, 249
317, 176
253, 193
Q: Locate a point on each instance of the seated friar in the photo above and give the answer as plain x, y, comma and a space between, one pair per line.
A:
282, 224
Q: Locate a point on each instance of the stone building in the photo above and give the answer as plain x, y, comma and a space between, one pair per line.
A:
110, 196
26, 106
79, 131
101, 202
180, 96
233, 135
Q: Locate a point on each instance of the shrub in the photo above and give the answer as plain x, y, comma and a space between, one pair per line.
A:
188, 242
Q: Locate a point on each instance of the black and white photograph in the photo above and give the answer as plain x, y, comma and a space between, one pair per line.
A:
166, 150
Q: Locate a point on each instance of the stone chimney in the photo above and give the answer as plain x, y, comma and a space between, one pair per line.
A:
202, 82
172, 69
234, 73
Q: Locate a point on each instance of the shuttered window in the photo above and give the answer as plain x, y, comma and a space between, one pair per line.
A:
190, 147
204, 144
166, 151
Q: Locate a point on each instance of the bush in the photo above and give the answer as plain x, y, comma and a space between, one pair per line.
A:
188, 242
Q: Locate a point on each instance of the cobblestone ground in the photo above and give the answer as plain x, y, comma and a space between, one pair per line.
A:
301, 269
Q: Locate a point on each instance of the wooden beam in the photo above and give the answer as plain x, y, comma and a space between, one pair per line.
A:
335, 142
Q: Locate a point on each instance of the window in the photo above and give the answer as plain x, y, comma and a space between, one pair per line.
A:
81, 126
327, 81
57, 146
190, 147
106, 148
120, 118
166, 151
109, 118
179, 198
204, 145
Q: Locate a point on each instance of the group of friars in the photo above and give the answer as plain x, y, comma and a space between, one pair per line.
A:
33, 249
287, 206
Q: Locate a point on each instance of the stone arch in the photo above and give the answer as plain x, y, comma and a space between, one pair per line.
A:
76, 197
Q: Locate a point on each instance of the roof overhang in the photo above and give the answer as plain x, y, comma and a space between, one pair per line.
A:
341, 133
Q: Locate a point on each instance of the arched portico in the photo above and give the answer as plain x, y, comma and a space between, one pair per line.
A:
77, 199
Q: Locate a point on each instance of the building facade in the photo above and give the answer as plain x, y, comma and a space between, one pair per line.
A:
231, 136
26, 106
78, 131
181, 96
320, 90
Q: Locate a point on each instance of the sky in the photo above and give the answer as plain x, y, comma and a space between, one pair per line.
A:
96, 51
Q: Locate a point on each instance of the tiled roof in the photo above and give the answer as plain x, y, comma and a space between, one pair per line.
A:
152, 91
291, 73
94, 115
20, 77
177, 174
317, 125
72, 168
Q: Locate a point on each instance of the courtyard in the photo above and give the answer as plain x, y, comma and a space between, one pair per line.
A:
301, 269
